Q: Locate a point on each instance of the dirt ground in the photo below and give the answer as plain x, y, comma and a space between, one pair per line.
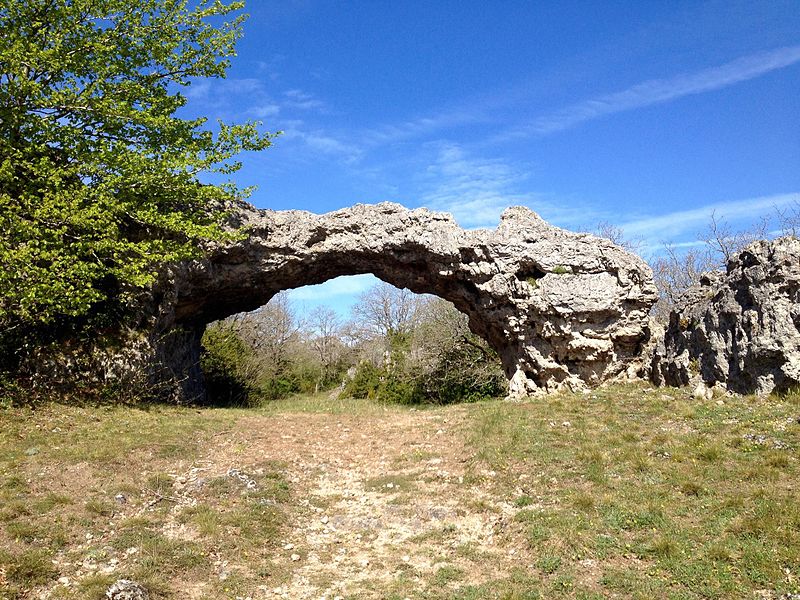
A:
627, 493
386, 498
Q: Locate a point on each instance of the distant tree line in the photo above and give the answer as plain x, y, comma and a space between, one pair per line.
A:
396, 347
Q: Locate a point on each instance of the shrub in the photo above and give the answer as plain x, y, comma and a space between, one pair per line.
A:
365, 382
228, 366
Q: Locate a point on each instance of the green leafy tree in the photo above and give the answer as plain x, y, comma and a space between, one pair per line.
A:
99, 177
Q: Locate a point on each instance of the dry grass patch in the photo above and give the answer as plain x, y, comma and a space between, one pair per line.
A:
670, 496
626, 492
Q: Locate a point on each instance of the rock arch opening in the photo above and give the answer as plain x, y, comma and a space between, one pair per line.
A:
561, 309
379, 342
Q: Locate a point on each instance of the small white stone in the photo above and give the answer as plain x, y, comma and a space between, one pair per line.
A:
295, 557
288, 547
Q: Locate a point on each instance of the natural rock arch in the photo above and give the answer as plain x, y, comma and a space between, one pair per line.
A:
562, 309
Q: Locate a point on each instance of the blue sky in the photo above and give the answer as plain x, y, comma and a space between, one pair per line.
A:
648, 115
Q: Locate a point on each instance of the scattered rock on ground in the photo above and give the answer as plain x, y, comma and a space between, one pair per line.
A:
125, 589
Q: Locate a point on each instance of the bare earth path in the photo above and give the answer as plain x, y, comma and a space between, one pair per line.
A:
385, 499
629, 492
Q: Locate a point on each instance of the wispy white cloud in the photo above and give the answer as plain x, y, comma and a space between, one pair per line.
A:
420, 127
301, 100
320, 142
271, 68
657, 91
263, 111
248, 98
673, 225
474, 191
219, 92
477, 190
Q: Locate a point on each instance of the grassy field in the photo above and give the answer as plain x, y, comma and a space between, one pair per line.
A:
627, 492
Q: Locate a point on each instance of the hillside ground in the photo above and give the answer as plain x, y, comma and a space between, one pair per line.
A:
626, 492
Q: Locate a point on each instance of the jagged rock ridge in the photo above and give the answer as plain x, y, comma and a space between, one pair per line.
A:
561, 309
739, 329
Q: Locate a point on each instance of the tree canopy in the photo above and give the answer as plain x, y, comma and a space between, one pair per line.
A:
99, 176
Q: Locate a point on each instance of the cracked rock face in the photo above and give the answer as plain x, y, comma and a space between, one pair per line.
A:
739, 329
561, 309
125, 589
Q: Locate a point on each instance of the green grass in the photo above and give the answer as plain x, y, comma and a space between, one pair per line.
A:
652, 476
59, 502
663, 496
326, 403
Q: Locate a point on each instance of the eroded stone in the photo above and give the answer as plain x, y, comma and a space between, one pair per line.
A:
739, 330
562, 309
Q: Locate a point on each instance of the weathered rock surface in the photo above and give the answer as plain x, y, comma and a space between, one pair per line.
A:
125, 589
561, 309
739, 329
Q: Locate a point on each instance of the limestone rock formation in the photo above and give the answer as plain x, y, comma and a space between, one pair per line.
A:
739, 329
561, 309
125, 589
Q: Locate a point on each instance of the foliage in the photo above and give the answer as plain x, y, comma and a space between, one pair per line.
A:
424, 353
464, 373
388, 384
385, 310
290, 356
326, 340
616, 234
674, 272
365, 380
228, 367
457, 365
270, 354
438, 361
789, 219
99, 179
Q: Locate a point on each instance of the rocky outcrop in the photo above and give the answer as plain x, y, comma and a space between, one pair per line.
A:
561, 309
739, 329
125, 589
